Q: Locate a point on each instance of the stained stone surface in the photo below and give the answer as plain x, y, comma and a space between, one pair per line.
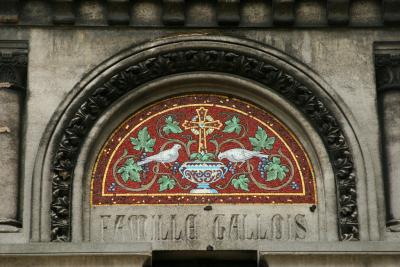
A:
71, 261
332, 261
314, 48
340, 59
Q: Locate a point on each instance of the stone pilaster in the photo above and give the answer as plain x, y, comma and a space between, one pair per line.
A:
13, 66
388, 86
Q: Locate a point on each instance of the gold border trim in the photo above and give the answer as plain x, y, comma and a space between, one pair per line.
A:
176, 106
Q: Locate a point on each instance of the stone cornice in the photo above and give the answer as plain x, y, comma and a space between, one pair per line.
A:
208, 13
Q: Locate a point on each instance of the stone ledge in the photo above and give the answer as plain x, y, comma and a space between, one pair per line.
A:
57, 249
145, 249
331, 248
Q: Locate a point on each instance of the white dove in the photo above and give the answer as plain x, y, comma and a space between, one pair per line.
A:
240, 155
166, 156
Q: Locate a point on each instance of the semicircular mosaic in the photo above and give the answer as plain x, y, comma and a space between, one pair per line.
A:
202, 149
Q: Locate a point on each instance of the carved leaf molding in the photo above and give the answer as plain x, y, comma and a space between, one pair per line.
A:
215, 60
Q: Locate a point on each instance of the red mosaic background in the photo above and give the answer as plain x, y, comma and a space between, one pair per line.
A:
203, 126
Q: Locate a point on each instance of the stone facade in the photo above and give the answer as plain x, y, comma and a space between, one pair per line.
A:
71, 72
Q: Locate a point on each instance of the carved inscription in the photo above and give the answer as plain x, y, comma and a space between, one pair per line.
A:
218, 227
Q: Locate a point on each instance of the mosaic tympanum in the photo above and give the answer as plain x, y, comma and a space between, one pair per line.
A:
200, 149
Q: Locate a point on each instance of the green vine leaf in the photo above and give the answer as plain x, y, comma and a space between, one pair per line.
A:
130, 171
171, 126
166, 183
241, 182
276, 170
232, 125
143, 141
261, 140
202, 156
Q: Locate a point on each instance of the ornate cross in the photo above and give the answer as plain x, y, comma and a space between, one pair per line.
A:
202, 125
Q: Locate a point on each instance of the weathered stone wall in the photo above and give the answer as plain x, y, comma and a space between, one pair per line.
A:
341, 60
70, 261
332, 261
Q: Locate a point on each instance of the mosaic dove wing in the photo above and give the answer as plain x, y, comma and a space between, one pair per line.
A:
240, 155
166, 156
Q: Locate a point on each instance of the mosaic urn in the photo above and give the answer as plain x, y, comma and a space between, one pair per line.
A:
203, 174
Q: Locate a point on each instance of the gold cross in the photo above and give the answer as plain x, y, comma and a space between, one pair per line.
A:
200, 125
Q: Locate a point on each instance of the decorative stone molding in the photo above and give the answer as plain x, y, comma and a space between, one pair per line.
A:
13, 68
387, 66
287, 13
190, 59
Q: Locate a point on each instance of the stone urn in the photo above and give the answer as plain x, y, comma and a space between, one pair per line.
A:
203, 174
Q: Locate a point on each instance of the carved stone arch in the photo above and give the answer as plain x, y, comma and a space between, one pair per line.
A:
188, 54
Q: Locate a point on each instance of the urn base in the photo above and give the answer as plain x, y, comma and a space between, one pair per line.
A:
203, 188
203, 191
